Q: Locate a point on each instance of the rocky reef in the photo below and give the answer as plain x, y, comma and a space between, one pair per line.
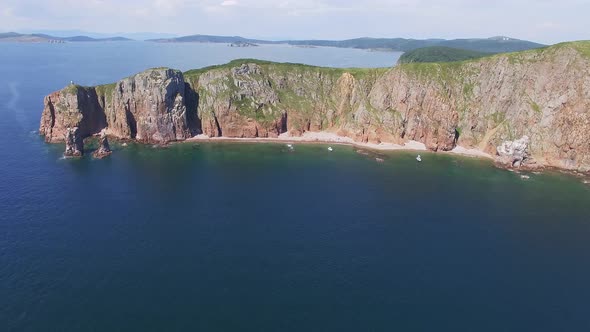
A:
524, 107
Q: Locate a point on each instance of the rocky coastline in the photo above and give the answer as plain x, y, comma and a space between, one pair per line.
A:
526, 110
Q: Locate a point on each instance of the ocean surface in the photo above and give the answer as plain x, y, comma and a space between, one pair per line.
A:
253, 237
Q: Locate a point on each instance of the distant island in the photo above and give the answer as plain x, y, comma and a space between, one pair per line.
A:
243, 44
43, 38
487, 45
524, 109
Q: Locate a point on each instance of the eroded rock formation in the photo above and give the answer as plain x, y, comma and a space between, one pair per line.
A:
542, 94
104, 149
148, 107
74, 143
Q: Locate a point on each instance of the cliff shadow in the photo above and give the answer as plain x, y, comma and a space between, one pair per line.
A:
131, 122
192, 110
94, 117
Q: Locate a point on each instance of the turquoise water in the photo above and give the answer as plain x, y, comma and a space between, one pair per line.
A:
253, 237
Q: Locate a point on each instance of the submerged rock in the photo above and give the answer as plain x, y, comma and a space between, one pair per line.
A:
74, 143
104, 150
513, 153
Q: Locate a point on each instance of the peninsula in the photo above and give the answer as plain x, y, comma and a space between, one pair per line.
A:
529, 108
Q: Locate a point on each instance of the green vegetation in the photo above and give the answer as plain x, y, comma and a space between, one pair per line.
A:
439, 54
286, 67
106, 90
72, 89
535, 107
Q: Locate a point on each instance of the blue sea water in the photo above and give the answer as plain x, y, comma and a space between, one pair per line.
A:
254, 237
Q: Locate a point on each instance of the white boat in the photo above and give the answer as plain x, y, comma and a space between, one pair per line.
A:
290, 146
419, 158
330, 149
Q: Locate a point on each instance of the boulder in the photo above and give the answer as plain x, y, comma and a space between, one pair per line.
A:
513, 153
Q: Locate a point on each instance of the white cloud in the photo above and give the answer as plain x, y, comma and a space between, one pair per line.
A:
229, 3
332, 19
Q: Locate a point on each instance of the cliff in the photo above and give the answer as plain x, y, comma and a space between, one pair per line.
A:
543, 94
149, 107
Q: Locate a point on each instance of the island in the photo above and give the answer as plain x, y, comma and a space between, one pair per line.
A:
15, 37
242, 44
525, 109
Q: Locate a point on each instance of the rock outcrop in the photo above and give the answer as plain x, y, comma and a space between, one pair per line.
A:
541, 94
513, 153
148, 107
74, 143
104, 149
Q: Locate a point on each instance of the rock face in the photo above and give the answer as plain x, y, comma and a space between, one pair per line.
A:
513, 153
104, 150
149, 107
74, 143
541, 94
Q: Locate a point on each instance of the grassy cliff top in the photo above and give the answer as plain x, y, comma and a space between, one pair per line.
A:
284, 66
439, 54
445, 71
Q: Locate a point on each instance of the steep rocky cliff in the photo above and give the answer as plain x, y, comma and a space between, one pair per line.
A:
542, 94
149, 107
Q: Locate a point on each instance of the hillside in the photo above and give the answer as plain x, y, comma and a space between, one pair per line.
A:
439, 54
539, 97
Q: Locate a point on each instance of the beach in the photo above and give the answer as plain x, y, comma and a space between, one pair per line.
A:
324, 137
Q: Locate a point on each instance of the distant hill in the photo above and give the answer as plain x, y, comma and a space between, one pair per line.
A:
489, 45
439, 54
40, 38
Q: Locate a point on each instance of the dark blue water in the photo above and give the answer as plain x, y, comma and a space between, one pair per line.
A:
226, 237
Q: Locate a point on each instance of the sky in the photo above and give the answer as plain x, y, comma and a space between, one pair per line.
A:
545, 21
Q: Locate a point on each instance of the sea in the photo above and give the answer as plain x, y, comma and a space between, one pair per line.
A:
258, 237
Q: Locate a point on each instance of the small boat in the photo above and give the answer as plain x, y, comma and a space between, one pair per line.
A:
419, 158
525, 177
290, 146
330, 149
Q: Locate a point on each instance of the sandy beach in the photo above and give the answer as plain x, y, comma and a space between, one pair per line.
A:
332, 138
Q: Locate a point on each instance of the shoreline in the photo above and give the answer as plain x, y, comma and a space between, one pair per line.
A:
327, 138
331, 138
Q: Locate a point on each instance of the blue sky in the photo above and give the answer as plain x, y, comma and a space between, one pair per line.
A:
545, 21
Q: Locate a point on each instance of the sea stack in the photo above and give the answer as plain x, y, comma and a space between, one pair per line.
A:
74, 143
104, 150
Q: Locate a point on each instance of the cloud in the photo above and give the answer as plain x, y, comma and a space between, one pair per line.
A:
334, 19
229, 3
